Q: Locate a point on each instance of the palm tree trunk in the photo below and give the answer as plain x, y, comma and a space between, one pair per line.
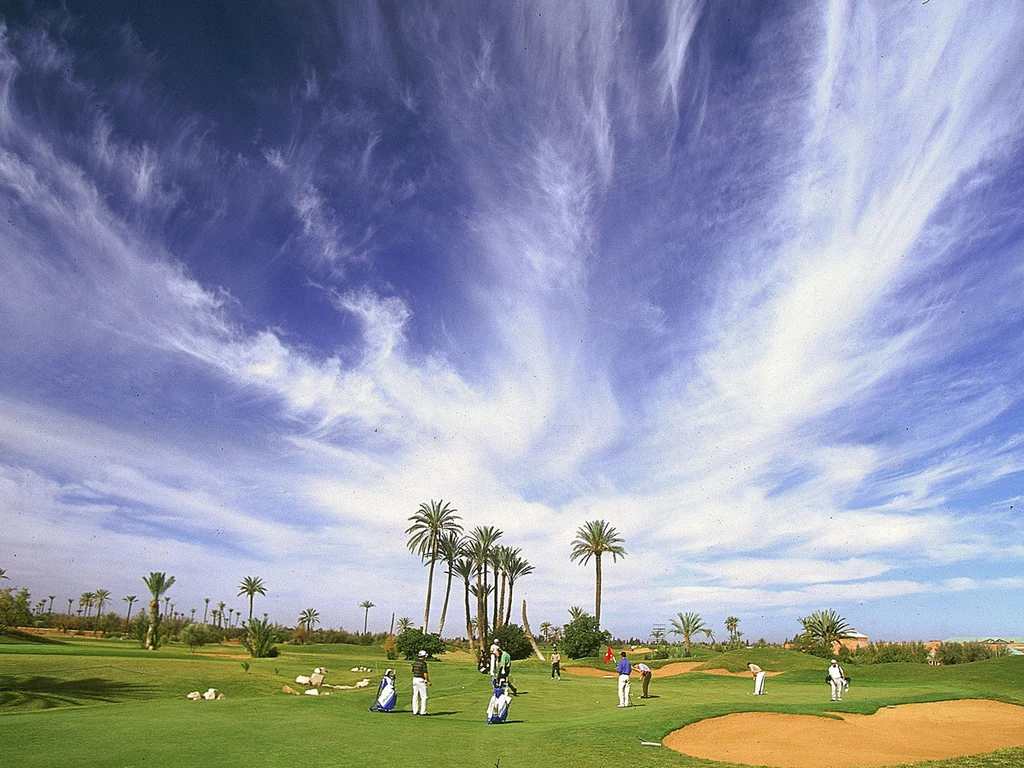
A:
251, 596
447, 594
508, 617
128, 618
481, 610
501, 607
430, 587
494, 608
366, 618
469, 628
153, 633
526, 627
597, 598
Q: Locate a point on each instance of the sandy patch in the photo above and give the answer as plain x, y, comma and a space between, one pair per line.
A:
734, 674
906, 734
675, 668
640, 650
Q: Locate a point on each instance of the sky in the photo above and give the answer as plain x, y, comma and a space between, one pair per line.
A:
743, 280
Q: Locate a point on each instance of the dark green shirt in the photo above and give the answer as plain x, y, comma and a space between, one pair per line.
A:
419, 668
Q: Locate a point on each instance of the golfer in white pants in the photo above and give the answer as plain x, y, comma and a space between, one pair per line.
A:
420, 681
625, 669
835, 679
758, 678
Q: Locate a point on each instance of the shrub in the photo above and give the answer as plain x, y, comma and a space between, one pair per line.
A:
194, 636
259, 639
512, 639
390, 647
581, 637
14, 608
412, 641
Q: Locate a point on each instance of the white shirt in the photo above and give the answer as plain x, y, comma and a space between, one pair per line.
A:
835, 672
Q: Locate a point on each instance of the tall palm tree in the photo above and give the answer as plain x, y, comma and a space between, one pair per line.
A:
449, 548
158, 583
517, 568
251, 586
404, 623
594, 539
102, 596
503, 559
575, 612
732, 623
52, 598
220, 613
429, 523
366, 605
827, 628
71, 601
309, 618
689, 625
463, 568
88, 599
206, 608
545, 630
481, 541
128, 618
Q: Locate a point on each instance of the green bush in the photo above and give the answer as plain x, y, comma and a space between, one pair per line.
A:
581, 637
512, 638
14, 608
412, 641
259, 639
194, 636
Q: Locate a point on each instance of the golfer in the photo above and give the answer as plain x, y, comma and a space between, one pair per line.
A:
505, 669
645, 677
420, 681
835, 679
624, 670
495, 653
758, 678
556, 663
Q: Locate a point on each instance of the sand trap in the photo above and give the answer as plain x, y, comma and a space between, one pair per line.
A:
907, 734
734, 674
675, 668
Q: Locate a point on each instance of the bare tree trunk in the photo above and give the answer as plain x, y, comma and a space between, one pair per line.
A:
392, 630
529, 634
469, 628
597, 600
508, 617
447, 594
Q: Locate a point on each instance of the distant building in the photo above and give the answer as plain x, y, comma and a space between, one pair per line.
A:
852, 642
994, 644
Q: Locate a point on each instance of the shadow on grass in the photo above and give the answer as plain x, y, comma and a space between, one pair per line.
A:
40, 692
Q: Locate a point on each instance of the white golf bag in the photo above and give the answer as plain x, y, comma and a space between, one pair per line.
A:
497, 708
386, 693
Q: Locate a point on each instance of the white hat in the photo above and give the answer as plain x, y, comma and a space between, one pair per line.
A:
834, 661
423, 653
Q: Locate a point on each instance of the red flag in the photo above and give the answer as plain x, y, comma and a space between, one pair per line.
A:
608, 656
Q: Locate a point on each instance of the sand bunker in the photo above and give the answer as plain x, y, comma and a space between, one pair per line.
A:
906, 734
676, 668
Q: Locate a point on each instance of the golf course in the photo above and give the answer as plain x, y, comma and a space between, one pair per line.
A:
95, 702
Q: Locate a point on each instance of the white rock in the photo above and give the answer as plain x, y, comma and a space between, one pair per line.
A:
363, 683
195, 696
355, 669
312, 692
210, 695
302, 680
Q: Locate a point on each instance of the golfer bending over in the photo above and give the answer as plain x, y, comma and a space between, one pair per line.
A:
758, 678
835, 679
645, 677
420, 681
625, 669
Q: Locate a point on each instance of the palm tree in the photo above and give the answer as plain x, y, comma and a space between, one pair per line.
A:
594, 539
251, 586
128, 619
220, 613
481, 541
102, 596
545, 630
429, 524
52, 598
689, 625
87, 600
450, 548
463, 568
502, 561
575, 612
731, 625
404, 623
826, 628
158, 583
205, 608
3, 574
366, 605
516, 569
309, 618
71, 601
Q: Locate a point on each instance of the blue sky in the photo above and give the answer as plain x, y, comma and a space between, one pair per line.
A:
744, 280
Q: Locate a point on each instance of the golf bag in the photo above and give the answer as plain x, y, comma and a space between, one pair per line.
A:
386, 693
497, 709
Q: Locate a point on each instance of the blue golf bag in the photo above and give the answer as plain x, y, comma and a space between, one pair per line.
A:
497, 708
386, 693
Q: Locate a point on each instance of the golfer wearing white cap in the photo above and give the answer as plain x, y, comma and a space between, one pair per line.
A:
835, 679
420, 681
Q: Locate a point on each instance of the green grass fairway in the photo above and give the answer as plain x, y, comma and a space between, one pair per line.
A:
106, 703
